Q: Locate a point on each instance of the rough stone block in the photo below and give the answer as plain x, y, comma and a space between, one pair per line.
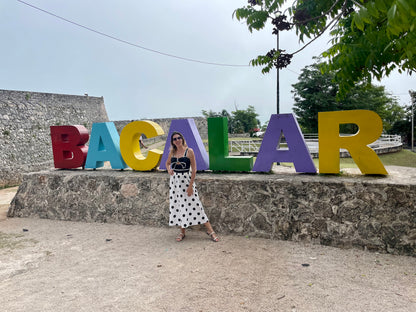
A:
374, 213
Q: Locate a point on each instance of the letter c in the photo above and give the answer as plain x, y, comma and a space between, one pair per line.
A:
130, 145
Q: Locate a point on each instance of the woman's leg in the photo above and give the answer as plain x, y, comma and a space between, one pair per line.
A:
211, 232
181, 235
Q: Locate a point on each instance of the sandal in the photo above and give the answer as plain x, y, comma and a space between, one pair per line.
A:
180, 237
213, 238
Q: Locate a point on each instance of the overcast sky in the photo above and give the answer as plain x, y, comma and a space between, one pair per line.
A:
43, 53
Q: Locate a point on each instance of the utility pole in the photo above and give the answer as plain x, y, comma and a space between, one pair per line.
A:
413, 119
277, 85
277, 79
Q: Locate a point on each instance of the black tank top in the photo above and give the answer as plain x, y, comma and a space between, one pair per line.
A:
181, 164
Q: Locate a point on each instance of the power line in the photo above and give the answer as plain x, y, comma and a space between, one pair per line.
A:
292, 71
130, 43
136, 45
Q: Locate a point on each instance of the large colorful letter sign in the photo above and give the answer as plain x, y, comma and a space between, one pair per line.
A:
218, 148
370, 127
270, 152
68, 146
189, 130
104, 146
70, 151
130, 145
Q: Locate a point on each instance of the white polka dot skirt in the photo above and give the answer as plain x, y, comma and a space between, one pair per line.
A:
184, 210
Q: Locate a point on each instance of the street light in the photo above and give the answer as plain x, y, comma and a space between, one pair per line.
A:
278, 79
413, 125
412, 99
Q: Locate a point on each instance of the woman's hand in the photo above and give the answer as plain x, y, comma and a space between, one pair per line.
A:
170, 171
190, 190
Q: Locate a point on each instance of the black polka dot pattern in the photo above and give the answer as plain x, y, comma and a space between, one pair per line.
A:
184, 210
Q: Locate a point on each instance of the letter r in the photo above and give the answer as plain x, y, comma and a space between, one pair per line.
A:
370, 127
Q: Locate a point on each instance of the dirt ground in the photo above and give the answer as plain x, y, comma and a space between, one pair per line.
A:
48, 265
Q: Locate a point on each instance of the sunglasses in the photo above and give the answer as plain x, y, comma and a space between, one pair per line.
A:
177, 138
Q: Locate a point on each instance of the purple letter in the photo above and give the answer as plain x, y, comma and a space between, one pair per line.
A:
297, 151
190, 132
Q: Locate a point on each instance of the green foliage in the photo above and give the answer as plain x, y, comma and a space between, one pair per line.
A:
403, 126
370, 38
240, 121
373, 41
263, 60
264, 126
210, 113
223, 113
317, 92
243, 121
255, 19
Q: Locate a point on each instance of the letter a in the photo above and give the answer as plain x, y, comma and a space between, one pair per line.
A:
104, 146
189, 130
270, 152
330, 142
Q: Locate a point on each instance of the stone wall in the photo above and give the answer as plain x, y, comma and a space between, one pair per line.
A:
164, 123
375, 213
25, 118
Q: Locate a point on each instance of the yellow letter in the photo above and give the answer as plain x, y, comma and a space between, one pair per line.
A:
130, 146
370, 127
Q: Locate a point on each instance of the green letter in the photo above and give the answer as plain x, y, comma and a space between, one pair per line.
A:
218, 148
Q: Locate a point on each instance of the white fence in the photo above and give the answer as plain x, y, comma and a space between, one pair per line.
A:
253, 146
247, 146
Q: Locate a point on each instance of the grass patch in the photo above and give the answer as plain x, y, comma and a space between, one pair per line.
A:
404, 158
13, 241
7, 186
344, 163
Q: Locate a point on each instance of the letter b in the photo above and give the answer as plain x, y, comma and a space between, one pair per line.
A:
68, 146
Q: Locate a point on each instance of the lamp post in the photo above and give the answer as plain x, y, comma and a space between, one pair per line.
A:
277, 82
412, 99
413, 125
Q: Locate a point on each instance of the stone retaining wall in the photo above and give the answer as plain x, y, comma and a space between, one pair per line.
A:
25, 120
375, 213
164, 123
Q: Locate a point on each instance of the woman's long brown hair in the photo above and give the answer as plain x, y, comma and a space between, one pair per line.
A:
173, 146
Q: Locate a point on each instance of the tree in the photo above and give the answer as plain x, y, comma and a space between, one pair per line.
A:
403, 126
210, 113
223, 113
317, 92
240, 121
370, 38
244, 121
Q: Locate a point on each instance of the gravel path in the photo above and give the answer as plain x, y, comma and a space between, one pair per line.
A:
48, 265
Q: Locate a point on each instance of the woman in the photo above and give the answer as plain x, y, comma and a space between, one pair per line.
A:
185, 207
